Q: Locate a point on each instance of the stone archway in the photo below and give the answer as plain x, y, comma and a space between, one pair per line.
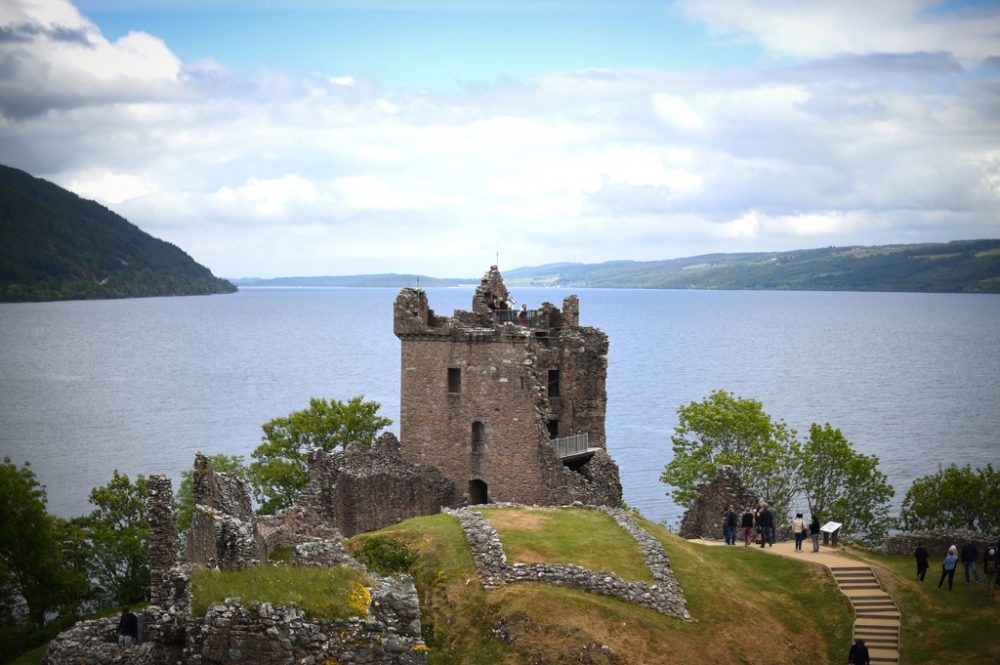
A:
478, 492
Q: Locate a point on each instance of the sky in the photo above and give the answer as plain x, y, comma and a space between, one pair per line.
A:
438, 137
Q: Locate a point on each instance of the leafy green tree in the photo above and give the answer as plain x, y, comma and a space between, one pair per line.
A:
722, 430
184, 500
843, 485
32, 567
279, 471
959, 498
117, 532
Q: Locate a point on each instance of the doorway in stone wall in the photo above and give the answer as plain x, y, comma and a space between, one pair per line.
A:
477, 492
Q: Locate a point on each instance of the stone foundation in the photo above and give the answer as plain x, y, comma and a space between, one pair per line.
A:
664, 596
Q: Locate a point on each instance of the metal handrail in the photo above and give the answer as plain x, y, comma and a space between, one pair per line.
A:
573, 444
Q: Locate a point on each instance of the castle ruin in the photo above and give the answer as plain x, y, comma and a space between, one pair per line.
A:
508, 404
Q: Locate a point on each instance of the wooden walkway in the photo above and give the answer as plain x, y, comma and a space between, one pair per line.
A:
876, 615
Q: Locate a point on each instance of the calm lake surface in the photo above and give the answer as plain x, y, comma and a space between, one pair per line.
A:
140, 385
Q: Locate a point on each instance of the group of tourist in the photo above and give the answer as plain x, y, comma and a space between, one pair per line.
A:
498, 306
759, 525
968, 557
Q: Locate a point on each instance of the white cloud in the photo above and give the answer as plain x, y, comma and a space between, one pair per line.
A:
267, 173
111, 188
834, 27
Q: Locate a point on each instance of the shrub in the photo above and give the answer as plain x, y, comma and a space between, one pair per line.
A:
383, 555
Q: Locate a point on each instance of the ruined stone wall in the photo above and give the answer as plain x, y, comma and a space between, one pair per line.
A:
493, 570
223, 526
162, 536
581, 357
937, 542
365, 488
704, 518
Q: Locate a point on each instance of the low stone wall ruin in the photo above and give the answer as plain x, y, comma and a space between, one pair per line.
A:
938, 541
664, 596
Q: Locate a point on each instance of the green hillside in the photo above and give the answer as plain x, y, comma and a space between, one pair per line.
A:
746, 606
58, 246
962, 266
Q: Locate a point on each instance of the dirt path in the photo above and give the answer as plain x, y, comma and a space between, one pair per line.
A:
876, 615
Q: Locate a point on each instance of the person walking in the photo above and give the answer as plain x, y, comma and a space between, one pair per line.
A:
766, 525
921, 555
814, 532
799, 528
969, 556
948, 567
858, 655
747, 525
991, 568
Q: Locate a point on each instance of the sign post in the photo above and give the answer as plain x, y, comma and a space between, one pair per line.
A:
830, 530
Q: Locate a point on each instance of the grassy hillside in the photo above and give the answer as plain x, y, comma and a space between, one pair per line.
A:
736, 596
965, 266
939, 626
57, 246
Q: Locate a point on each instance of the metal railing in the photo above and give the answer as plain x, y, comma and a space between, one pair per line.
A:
571, 445
532, 318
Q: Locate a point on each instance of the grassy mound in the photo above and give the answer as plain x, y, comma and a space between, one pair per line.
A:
586, 538
747, 607
323, 593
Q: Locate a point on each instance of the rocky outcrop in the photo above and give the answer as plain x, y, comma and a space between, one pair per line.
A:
664, 596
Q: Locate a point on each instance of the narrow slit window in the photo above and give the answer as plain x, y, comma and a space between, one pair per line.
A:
553, 383
454, 380
478, 436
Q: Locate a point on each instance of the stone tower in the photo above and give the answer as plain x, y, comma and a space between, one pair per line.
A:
487, 396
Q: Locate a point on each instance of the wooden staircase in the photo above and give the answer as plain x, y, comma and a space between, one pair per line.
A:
876, 615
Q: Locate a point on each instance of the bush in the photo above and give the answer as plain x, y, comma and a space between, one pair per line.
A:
383, 555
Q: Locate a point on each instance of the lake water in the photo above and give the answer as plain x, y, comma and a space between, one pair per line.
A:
140, 385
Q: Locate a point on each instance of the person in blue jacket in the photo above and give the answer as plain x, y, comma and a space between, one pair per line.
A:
949, 566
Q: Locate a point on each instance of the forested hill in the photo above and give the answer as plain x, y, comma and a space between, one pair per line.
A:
962, 266
58, 246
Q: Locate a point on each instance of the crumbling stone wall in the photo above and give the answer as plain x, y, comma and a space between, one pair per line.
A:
478, 400
704, 518
223, 526
364, 488
937, 541
162, 537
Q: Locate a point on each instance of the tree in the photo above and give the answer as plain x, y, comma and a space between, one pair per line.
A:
184, 500
843, 485
279, 471
117, 532
958, 498
724, 429
32, 569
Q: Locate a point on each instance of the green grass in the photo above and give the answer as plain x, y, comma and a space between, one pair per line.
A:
587, 538
735, 595
33, 657
323, 593
956, 627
